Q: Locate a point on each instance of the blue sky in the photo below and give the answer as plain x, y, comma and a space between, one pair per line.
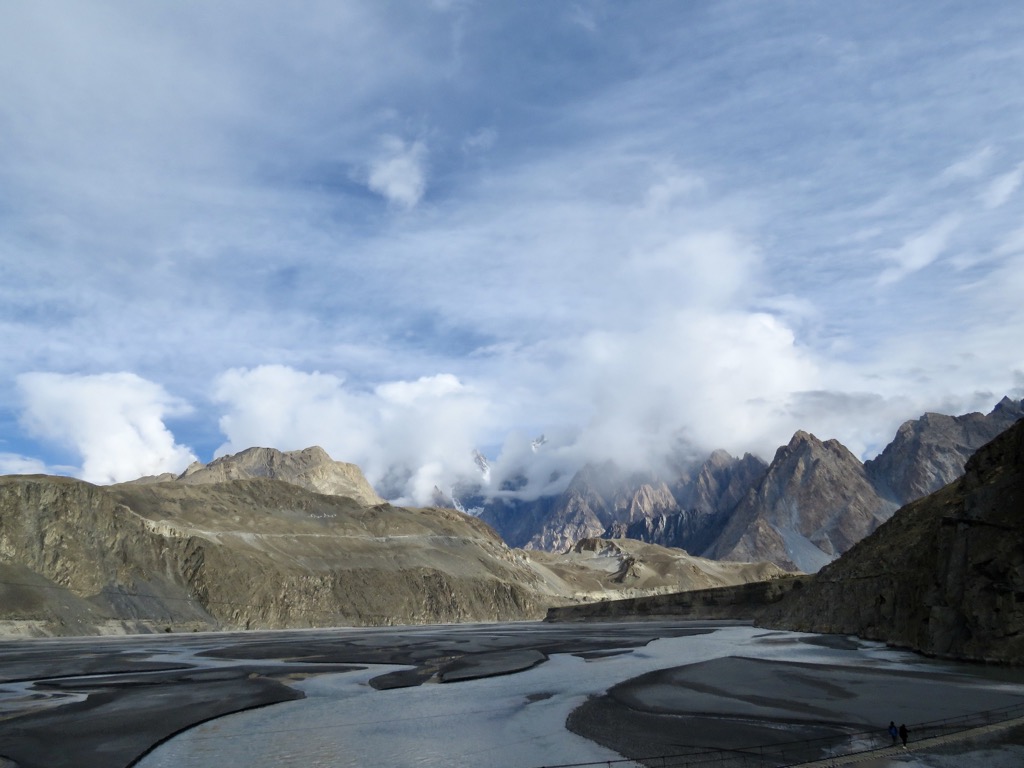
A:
408, 230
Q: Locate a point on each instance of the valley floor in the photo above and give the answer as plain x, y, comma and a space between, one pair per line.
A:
511, 695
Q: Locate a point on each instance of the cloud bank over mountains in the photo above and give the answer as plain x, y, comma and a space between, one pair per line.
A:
408, 231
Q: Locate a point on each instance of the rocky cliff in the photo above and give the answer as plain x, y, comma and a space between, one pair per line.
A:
944, 576
250, 553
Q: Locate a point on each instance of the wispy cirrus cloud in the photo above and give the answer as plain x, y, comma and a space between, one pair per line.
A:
971, 167
1001, 188
919, 250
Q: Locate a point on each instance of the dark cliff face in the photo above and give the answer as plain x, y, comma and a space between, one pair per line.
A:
944, 576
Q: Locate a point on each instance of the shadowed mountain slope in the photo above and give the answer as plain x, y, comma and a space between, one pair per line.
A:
930, 452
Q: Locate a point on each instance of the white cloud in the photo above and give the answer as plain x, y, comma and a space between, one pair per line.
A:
712, 377
115, 421
709, 268
920, 250
278, 407
406, 436
1002, 187
398, 173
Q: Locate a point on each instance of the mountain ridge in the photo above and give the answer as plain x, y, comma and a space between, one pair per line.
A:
260, 552
800, 516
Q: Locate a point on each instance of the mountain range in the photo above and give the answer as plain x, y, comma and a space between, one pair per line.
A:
270, 539
811, 503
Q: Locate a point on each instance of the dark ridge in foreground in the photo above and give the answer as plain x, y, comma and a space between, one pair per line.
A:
743, 602
945, 576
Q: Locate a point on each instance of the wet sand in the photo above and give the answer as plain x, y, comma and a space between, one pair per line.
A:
788, 710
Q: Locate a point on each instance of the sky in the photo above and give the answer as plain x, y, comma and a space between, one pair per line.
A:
406, 230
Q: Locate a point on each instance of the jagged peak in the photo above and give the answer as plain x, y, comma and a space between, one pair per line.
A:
837, 447
800, 436
800, 442
719, 458
1008, 404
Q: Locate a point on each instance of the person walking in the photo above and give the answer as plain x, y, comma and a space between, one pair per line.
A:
893, 731
903, 734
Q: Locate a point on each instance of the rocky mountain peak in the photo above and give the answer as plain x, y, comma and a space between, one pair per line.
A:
310, 468
814, 503
800, 443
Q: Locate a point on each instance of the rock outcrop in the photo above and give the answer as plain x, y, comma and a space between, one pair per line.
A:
944, 576
311, 468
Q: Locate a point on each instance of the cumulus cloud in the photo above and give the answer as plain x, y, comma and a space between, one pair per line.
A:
701, 378
398, 173
707, 377
114, 421
407, 436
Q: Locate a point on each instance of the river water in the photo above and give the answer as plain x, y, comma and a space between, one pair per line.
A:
518, 720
